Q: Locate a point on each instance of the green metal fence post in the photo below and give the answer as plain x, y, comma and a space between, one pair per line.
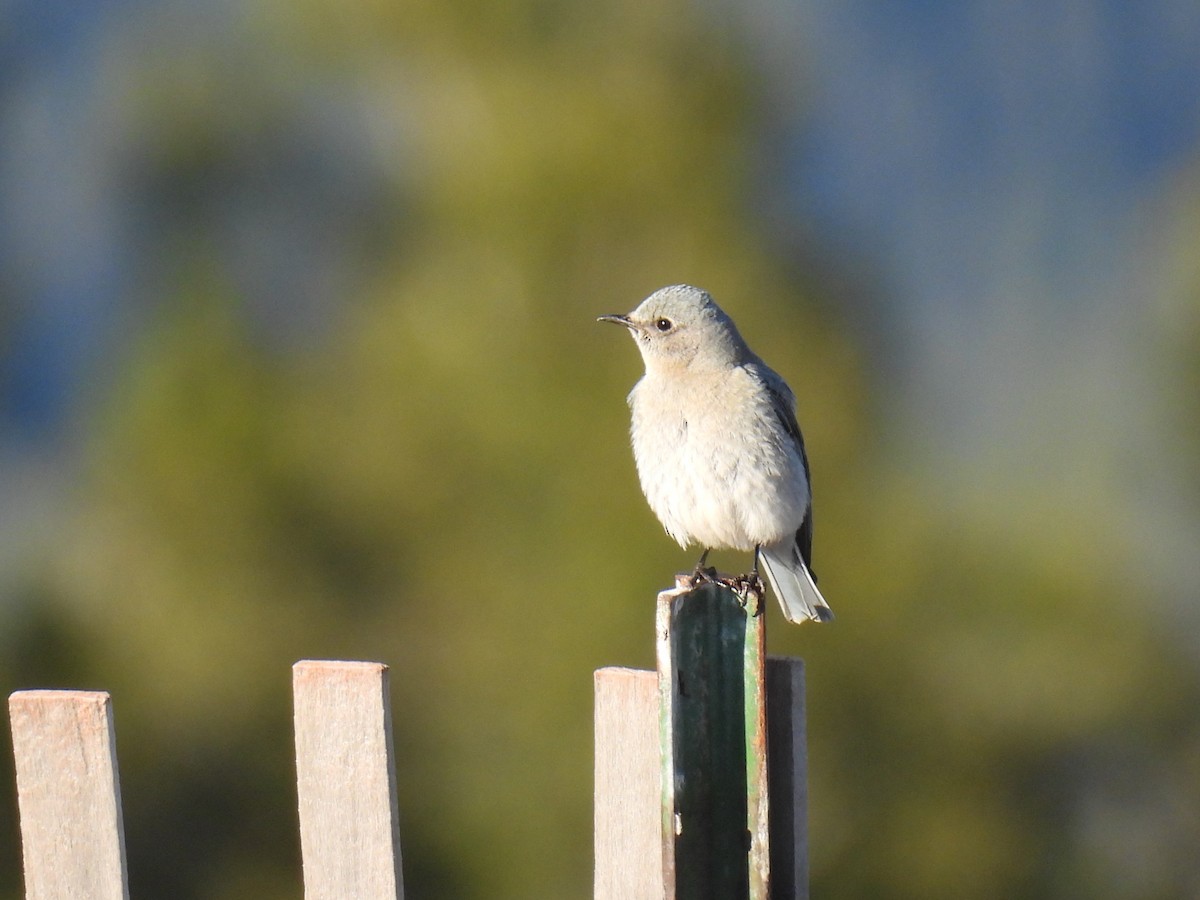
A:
713, 732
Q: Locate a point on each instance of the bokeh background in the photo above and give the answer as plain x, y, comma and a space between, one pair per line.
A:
297, 359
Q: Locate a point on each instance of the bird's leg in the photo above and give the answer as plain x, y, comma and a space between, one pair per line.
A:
755, 581
700, 573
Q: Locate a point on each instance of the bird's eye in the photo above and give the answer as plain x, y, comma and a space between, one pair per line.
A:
662, 324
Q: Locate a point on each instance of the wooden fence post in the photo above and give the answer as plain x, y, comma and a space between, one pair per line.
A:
627, 835
69, 795
715, 820
787, 752
345, 767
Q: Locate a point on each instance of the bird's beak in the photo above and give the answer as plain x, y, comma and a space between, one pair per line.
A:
617, 320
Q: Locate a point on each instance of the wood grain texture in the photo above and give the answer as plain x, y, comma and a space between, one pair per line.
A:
349, 822
628, 834
69, 795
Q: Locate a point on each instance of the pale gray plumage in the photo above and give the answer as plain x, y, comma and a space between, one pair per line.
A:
719, 454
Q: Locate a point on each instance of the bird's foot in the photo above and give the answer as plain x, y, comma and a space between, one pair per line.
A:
750, 590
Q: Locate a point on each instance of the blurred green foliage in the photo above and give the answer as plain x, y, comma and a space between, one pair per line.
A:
443, 483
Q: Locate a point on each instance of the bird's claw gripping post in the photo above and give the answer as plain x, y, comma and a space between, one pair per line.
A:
750, 590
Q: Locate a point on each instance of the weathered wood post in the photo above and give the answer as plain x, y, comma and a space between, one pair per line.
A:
787, 751
699, 814
68, 795
627, 819
346, 781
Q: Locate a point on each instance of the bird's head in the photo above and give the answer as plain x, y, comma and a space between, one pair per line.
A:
682, 326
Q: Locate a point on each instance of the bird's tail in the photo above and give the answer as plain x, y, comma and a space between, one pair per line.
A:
794, 584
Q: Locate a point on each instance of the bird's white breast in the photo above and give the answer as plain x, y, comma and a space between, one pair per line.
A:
715, 465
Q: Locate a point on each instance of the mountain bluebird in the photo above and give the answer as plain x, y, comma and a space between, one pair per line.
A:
718, 451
